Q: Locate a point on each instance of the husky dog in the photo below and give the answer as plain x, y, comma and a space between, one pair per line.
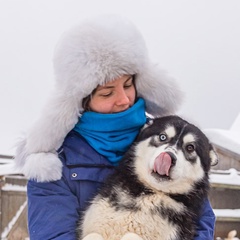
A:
158, 189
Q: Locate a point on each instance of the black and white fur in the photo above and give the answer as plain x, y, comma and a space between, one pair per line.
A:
158, 189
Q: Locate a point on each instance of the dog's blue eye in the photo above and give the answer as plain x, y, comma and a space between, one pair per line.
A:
162, 137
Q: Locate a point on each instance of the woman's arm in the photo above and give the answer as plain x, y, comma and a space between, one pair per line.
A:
53, 211
206, 223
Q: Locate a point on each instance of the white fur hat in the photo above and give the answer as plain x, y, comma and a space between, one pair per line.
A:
93, 53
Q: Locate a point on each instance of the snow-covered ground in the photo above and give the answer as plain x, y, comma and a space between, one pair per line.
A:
229, 177
233, 213
13, 187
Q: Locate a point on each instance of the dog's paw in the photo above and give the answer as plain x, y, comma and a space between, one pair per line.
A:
131, 236
93, 236
232, 235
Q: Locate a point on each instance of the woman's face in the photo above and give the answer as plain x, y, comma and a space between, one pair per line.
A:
115, 96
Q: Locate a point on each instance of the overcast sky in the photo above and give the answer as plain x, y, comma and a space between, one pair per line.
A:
197, 42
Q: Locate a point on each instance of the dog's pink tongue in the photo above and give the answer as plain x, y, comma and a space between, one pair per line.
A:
162, 164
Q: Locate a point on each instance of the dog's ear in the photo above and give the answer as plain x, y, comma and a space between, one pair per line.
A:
213, 156
144, 130
148, 122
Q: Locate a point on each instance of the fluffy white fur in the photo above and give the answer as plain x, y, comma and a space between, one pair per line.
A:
143, 224
92, 53
127, 236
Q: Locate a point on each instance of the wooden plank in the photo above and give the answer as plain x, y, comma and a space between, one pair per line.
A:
0, 208
6, 156
224, 185
10, 203
228, 219
224, 198
16, 180
226, 152
227, 159
19, 228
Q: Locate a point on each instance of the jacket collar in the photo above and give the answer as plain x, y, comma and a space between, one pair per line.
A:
79, 153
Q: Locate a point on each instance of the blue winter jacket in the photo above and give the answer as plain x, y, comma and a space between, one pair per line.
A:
54, 208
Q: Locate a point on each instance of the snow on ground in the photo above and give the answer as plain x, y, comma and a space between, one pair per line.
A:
13, 187
231, 176
229, 139
233, 213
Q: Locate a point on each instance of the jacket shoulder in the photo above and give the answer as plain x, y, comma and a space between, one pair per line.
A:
75, 151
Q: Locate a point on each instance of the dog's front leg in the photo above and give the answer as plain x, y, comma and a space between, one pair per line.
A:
93, 236
131, 236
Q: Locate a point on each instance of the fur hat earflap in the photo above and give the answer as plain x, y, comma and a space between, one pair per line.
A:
93, 53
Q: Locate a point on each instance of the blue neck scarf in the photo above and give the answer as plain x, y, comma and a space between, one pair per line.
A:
112, 134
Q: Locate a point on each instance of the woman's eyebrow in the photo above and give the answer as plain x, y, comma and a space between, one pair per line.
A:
104, 87
130, 77
99, 88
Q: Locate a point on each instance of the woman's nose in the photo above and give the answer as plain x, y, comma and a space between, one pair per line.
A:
122, 98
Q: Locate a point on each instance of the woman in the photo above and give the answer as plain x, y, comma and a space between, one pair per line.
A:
105, 82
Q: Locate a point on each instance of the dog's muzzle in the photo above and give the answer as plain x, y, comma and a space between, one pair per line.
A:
163, 163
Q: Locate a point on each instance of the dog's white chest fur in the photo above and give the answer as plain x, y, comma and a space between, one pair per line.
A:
103, 219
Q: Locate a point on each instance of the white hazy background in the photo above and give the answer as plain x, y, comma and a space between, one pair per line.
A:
197, 42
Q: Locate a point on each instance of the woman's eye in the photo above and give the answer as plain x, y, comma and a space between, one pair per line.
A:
163, 137
128, 85
190, 148
106, 94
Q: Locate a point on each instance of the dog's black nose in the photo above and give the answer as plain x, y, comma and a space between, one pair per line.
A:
173, 157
